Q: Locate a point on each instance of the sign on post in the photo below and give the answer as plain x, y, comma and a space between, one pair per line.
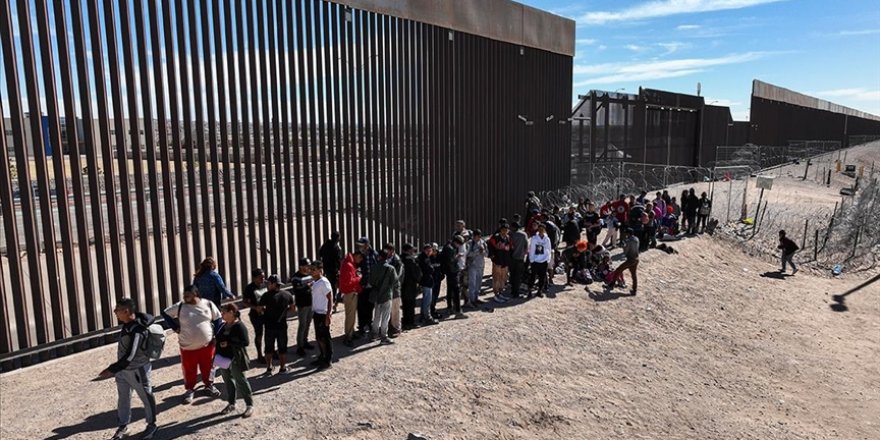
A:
765, 182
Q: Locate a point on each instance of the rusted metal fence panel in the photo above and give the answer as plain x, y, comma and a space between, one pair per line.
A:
165, 131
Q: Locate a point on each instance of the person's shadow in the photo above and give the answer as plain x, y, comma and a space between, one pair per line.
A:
606, 295
776, 275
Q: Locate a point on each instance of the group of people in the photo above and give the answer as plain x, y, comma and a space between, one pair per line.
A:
382, 291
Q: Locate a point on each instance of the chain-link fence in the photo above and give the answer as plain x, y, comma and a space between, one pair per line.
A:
759, 157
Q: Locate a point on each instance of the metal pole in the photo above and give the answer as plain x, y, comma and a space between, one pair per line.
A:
729, 197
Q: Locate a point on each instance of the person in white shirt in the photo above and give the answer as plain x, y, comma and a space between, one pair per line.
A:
196, 320
322, 305
539, 256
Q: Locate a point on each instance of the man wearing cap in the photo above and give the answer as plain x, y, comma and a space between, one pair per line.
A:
302, 296
631, 251
274, 305
365, 307
477, 251
331, 255
249, 297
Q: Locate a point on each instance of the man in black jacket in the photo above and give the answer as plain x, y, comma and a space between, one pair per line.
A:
449, 266
412, 277
331, 256
132, 368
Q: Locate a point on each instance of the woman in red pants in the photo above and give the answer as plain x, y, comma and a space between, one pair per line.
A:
196, 321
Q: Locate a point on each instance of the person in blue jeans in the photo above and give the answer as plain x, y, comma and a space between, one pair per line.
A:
427, 283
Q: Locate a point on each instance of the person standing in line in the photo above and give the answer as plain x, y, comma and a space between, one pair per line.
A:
519, 247
331, 255
409, 290
449, 264
350, 286
132, 369
394, 324
499, 247
274, 305
426, 268
196, 321
539, 256
365, 307
476, 265
249, 297
383, 277
438, 279
693, 206
631, 251
322, 304
685, 208
704, 211
592, 223
232, 342
788, 247
209, 283
461, 229
302, 296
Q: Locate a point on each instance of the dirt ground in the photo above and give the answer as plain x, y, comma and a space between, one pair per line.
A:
709, 349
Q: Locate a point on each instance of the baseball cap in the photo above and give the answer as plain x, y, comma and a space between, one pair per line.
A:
274, 279
305, 262
363, 240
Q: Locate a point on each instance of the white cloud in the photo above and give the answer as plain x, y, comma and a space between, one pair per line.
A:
673, 46
664, 8
586, 41
651, 70
602, 47
859, 32
635, 48
856, 94
687, 27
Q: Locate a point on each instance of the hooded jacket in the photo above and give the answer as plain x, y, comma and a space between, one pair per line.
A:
349, 280
383, 278
131, 349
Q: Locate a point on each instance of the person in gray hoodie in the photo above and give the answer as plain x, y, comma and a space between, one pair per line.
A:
384, 279
133, 368
477, 251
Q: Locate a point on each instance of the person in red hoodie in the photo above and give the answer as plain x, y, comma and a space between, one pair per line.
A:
350, 287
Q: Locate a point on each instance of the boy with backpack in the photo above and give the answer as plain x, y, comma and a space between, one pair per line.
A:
140, 342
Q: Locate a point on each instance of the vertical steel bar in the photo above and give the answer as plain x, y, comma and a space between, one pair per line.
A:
221, 249
90, 138
53, 300
242, 248
202, 197
325, 182
13, 248
337, 159
311, 79
71, 272
161, 287
171, 229
121, 149
298, 218
36, 319
291, 221
230, 250
245, 44
270, 205
186, 57
254, 31
274, 31
135, 134
179, 139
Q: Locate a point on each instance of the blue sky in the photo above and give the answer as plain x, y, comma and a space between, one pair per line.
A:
824, 48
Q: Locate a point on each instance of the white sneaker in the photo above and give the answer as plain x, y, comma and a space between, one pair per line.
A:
188, 397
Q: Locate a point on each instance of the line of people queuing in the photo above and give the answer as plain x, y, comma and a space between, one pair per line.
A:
382, 290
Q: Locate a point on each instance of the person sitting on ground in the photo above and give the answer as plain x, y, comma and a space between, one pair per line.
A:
132, 369
788, 248
196, 320
577, 263
232, 342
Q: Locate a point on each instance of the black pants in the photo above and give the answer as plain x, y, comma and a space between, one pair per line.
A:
365, 310
436, 295
257, 323
322, 336
517, 268
276, 336
692, 223
408, 298
453, 293
539, 274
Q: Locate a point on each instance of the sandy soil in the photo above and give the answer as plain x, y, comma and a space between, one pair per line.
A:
708, 349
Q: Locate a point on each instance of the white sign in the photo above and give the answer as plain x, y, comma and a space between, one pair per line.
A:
765, 182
